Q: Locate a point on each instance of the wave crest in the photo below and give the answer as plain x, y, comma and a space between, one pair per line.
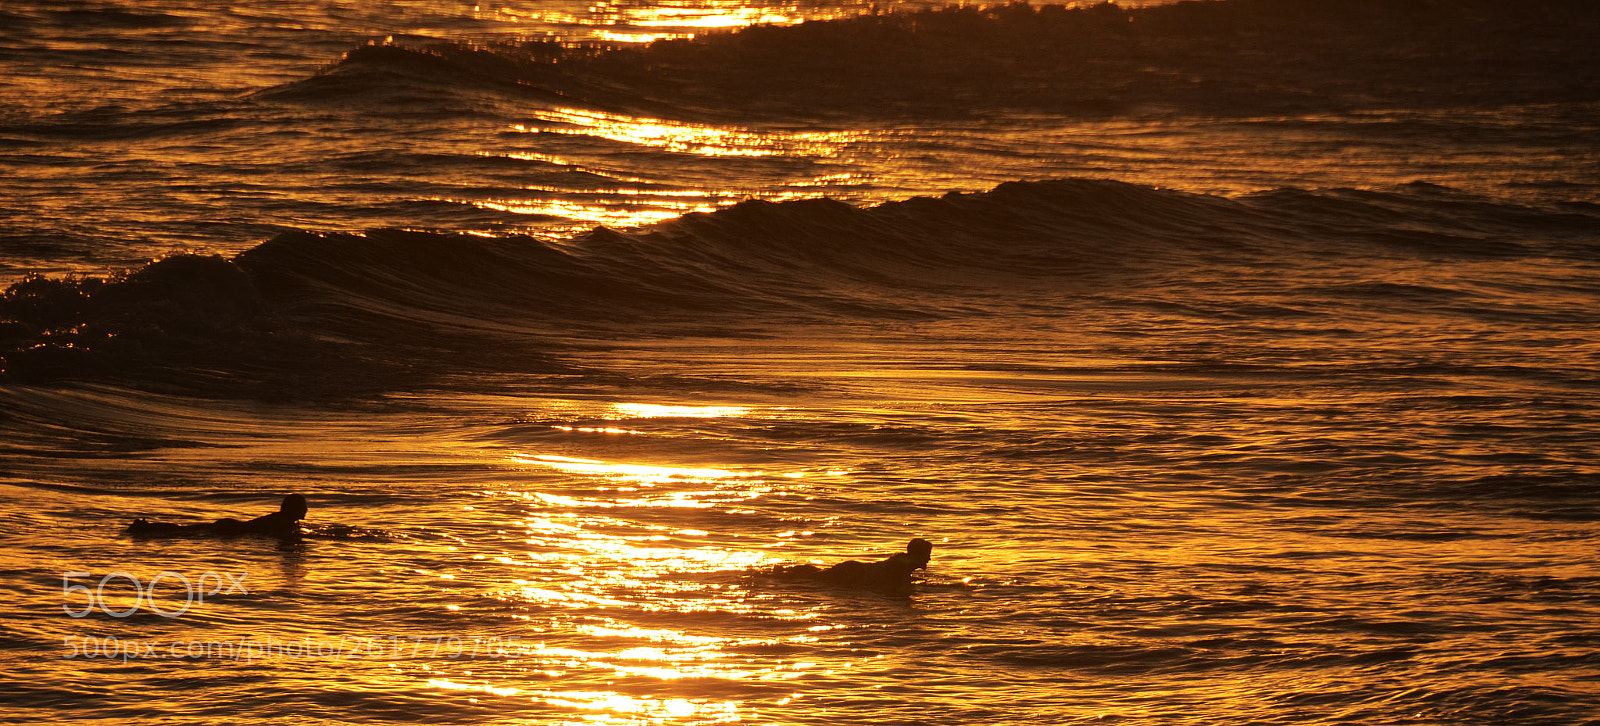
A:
386, 306
1190, 57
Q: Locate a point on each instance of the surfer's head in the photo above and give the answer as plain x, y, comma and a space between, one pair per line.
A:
920, 551
294, 505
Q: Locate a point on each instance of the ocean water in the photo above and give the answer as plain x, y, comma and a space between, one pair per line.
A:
1238, 358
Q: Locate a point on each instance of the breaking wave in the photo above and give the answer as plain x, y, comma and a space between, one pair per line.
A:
372, 310
1190, 57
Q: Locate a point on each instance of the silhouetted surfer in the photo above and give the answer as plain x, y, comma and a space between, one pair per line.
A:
283, 524
892, 571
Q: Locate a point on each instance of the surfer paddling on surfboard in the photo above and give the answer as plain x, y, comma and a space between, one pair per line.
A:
892, 571
283, 524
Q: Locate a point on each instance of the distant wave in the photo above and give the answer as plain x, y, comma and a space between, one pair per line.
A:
379, 309
1232, 58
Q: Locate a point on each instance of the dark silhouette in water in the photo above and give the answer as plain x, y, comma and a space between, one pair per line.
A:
892, 571
283, 524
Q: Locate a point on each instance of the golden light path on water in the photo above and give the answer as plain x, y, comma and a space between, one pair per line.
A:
579, 559
635, 202
692, 138
611, 216
622, 22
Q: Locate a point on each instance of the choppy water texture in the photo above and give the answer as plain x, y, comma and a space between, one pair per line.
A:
1238, 358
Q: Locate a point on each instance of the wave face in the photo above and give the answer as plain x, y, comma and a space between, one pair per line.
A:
1237, 58
363, 307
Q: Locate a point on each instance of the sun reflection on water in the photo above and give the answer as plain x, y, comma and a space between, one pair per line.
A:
626, 201
597, 430
610, 215
708, 15
652, 410
606, 563
690, 138
620, 37
629, 22
656, 710
629, 472
486, 688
